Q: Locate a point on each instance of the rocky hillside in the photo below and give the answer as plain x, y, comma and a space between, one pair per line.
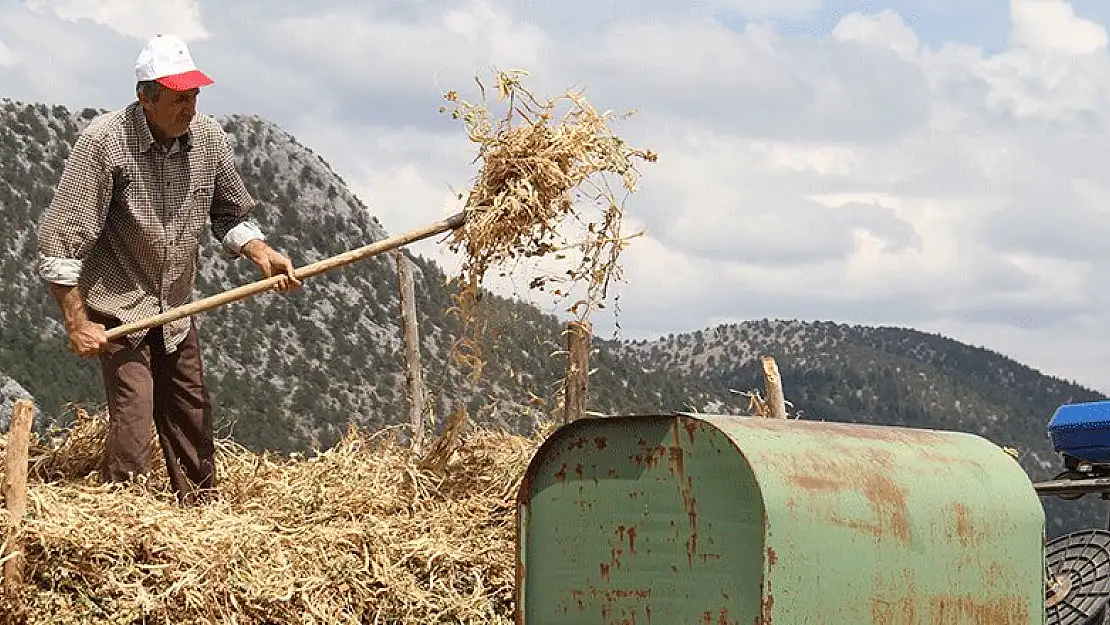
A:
892, 376
290, 371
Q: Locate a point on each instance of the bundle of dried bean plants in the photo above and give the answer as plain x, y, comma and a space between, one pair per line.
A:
545, 169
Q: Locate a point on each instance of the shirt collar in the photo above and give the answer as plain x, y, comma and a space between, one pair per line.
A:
146, 138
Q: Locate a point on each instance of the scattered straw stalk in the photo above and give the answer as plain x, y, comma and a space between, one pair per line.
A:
356, 534
545, 168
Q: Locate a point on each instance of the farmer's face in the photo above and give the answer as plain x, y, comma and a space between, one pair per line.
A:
170, 112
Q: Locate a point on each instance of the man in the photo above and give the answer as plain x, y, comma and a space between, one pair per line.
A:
119, 243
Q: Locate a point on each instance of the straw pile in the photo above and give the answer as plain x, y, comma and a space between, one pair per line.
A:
542, 190
359, 533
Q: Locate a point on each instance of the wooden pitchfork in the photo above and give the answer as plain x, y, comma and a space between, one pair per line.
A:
450, 223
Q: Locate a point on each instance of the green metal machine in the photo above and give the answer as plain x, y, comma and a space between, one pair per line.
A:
683, 518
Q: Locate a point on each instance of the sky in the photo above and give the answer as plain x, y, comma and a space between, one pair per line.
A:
934, 165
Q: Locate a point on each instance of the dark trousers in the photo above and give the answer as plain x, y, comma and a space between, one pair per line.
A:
149, 390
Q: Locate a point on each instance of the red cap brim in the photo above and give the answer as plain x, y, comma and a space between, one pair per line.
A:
184, 82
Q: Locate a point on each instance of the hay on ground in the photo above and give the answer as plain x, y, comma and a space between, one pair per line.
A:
359, 533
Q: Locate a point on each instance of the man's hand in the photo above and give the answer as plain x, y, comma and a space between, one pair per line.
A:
272, 263
88, 339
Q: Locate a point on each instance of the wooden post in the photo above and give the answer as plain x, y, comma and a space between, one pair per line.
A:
773, 382
411, 333
15, 489
578, 370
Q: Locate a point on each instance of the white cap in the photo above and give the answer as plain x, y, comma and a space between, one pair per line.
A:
166, 58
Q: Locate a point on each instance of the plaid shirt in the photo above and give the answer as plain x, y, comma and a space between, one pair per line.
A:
127, 215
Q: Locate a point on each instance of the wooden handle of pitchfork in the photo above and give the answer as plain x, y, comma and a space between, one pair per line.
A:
450, 223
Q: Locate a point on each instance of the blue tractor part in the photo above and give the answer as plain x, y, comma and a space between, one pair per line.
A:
1080, 433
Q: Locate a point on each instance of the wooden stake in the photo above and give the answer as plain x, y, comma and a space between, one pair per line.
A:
411, 333
773, 383
254, 288
578, 370
15, 489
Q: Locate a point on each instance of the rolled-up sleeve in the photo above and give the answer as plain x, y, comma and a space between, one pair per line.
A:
231, 204
73, 221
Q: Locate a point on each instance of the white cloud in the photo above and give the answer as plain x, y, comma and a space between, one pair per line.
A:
7, 57
1051, 26
358, 50
766, 8
885, 29
135, 18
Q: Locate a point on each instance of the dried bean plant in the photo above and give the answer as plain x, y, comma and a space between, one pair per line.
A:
544, 189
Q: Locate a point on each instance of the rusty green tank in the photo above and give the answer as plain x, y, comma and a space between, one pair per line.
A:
701, 519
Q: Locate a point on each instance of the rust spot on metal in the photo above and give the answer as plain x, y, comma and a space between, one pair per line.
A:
613, 473
897, 612
521, 573
676, 462
888, 500
622, 593
690, 505
885, 498
1002, 611
706, 557
632, 539
814, 482
601, 442
765, 607
651, 460
894, 600
581, 443
577, 596
579, 470
605, 572
772, 557
561, 474
691, 427
965, 531
608, 596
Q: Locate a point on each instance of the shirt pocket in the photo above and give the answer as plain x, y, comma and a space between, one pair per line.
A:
196, 214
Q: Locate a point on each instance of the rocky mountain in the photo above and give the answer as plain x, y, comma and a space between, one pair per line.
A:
290, 372
10, 393
890, 376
